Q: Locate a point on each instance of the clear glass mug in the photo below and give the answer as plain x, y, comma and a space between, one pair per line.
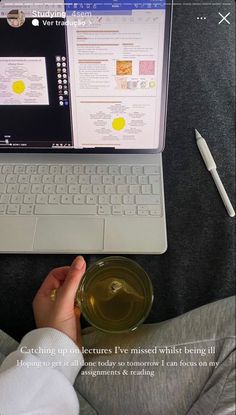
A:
115, 295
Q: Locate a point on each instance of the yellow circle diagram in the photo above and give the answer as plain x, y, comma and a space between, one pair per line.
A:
118, 123
152, 84
18, 87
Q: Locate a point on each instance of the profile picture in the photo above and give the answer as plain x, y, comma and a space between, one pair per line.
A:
16, 18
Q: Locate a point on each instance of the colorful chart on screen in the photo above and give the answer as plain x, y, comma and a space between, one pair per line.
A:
23, 81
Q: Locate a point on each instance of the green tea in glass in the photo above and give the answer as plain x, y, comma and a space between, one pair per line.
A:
115, 294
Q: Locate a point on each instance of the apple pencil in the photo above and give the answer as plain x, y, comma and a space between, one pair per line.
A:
211, 167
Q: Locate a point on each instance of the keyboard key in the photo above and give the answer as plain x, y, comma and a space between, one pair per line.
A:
110, 188
2, 209
90, 169
98, 188
11, 178
117, 210
119, 179
116, 199
143, 212
67, 169
61, 188
13, 209
107, 179
35, 178
23, 178
31, 169
12, 188
5, 198
86, 188
125, 170
49, 188
74, 188
78, 169
147, 199
65, 210
132, 179
146, 189
84, 179
102, 169
72, 179
114, 170
154, 179
19, 169
55, 169
134, 189
79, 199
42, 199
104, 199
137, 170
37, 188
16, 199
54, 199
130, 209
123, 188
26, 209
155, 210
96, 179
156, 188
143, 179
43, 169
3, 188
60, 179
2, 178
128, 199
104, 210
28, 199
24, 188
91, 199
66, 199
151, 170
7, 169
47, 179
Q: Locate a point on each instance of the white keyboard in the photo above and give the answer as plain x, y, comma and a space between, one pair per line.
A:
82, 189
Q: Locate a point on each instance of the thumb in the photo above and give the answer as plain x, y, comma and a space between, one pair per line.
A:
66, 294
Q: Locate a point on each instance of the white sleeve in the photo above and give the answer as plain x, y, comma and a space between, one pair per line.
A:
38, 377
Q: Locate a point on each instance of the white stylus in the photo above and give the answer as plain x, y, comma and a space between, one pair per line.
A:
211, 166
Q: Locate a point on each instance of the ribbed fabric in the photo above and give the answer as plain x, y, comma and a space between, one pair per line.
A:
37, 378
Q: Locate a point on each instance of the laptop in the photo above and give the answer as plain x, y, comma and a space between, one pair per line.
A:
82, 126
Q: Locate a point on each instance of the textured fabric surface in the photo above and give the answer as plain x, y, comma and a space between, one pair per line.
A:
37, 378
190, 384
198, 267
195, 377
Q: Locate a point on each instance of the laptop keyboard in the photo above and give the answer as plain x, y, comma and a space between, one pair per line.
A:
80, 190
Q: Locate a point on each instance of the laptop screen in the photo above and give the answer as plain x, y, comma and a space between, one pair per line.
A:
83, 75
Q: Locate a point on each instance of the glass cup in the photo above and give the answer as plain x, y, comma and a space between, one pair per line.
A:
115, 295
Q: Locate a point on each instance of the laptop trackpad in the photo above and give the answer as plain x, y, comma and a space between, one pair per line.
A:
68, 233
17, 233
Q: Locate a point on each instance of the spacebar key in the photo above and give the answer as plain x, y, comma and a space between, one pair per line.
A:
65, 210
